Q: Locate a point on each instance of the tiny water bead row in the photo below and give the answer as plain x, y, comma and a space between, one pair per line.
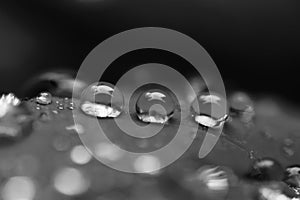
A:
215, 179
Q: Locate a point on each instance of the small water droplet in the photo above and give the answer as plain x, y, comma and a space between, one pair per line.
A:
70, 107
201, 110
44, 98
102, 100
55, 111
60, 107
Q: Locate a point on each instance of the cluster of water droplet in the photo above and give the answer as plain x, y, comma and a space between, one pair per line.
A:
152, 106
104, 100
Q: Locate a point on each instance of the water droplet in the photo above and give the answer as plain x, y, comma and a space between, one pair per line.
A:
266, 169
80, 155
292, 177
60, 107
70, 107
19, 187
44, 98
155, 106
71, 181
241, 106
102, 100
201, 110
55, 111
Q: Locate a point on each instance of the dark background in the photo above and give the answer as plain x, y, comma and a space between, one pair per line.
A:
255, 43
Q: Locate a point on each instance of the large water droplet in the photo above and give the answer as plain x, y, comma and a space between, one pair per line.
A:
201, 110
102, 100
155, 106
44, 98
266, 169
